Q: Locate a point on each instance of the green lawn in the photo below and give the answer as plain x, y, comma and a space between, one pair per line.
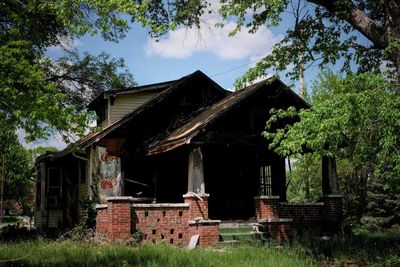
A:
365, 249
68, 253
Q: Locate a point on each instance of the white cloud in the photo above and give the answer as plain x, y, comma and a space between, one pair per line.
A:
183, 43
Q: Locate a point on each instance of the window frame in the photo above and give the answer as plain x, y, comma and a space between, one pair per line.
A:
50, 196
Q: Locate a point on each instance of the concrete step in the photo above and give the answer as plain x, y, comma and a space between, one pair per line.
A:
237, 223
241, 234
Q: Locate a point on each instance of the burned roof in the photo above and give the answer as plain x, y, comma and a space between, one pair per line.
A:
171, 87
184, 134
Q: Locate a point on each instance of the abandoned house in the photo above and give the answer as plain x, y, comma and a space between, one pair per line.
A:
178, 159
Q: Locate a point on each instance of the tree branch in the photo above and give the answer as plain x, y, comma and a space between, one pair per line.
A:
359, 20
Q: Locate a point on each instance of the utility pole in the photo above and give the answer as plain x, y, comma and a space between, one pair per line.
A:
306, 157
303, 93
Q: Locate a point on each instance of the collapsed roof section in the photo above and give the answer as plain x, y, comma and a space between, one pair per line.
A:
185, 134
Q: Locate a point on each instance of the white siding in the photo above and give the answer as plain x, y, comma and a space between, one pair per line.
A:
38, 209
124, 104
83, 189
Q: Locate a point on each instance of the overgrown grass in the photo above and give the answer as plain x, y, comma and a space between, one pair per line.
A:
68, 253
362, 249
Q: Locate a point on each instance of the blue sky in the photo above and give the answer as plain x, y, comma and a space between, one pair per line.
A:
184, 51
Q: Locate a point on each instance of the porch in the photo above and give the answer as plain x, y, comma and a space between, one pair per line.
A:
191, 189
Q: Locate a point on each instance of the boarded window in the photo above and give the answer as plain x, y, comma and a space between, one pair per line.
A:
54, 193
265, 181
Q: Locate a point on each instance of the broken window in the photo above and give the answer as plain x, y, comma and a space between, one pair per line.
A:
265, 181
102, 114
54, 192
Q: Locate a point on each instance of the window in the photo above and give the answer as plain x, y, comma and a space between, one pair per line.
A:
265, 181
54, 193
194, 98
102, 116
38, 192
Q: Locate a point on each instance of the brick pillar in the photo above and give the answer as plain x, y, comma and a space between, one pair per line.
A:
198, 208
101, 219
333, 212
267, 207
208, 231
119, 218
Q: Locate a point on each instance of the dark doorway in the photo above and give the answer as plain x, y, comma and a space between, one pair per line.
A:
231, 180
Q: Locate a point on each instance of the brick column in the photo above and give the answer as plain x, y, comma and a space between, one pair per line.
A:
333, 212
267, 207
119, 218
101, 219
198, 205
208, 231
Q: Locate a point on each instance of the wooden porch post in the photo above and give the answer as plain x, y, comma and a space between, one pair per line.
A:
196, 172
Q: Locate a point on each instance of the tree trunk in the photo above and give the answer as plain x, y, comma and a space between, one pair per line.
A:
329, 176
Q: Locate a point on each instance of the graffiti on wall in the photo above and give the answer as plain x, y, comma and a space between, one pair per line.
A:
108, 172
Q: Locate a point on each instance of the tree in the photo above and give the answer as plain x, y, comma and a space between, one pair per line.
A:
305, 177
19, 169
324, 31
39, 94
356, 116
356, 119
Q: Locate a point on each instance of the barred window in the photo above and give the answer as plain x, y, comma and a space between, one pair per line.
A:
265, 181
